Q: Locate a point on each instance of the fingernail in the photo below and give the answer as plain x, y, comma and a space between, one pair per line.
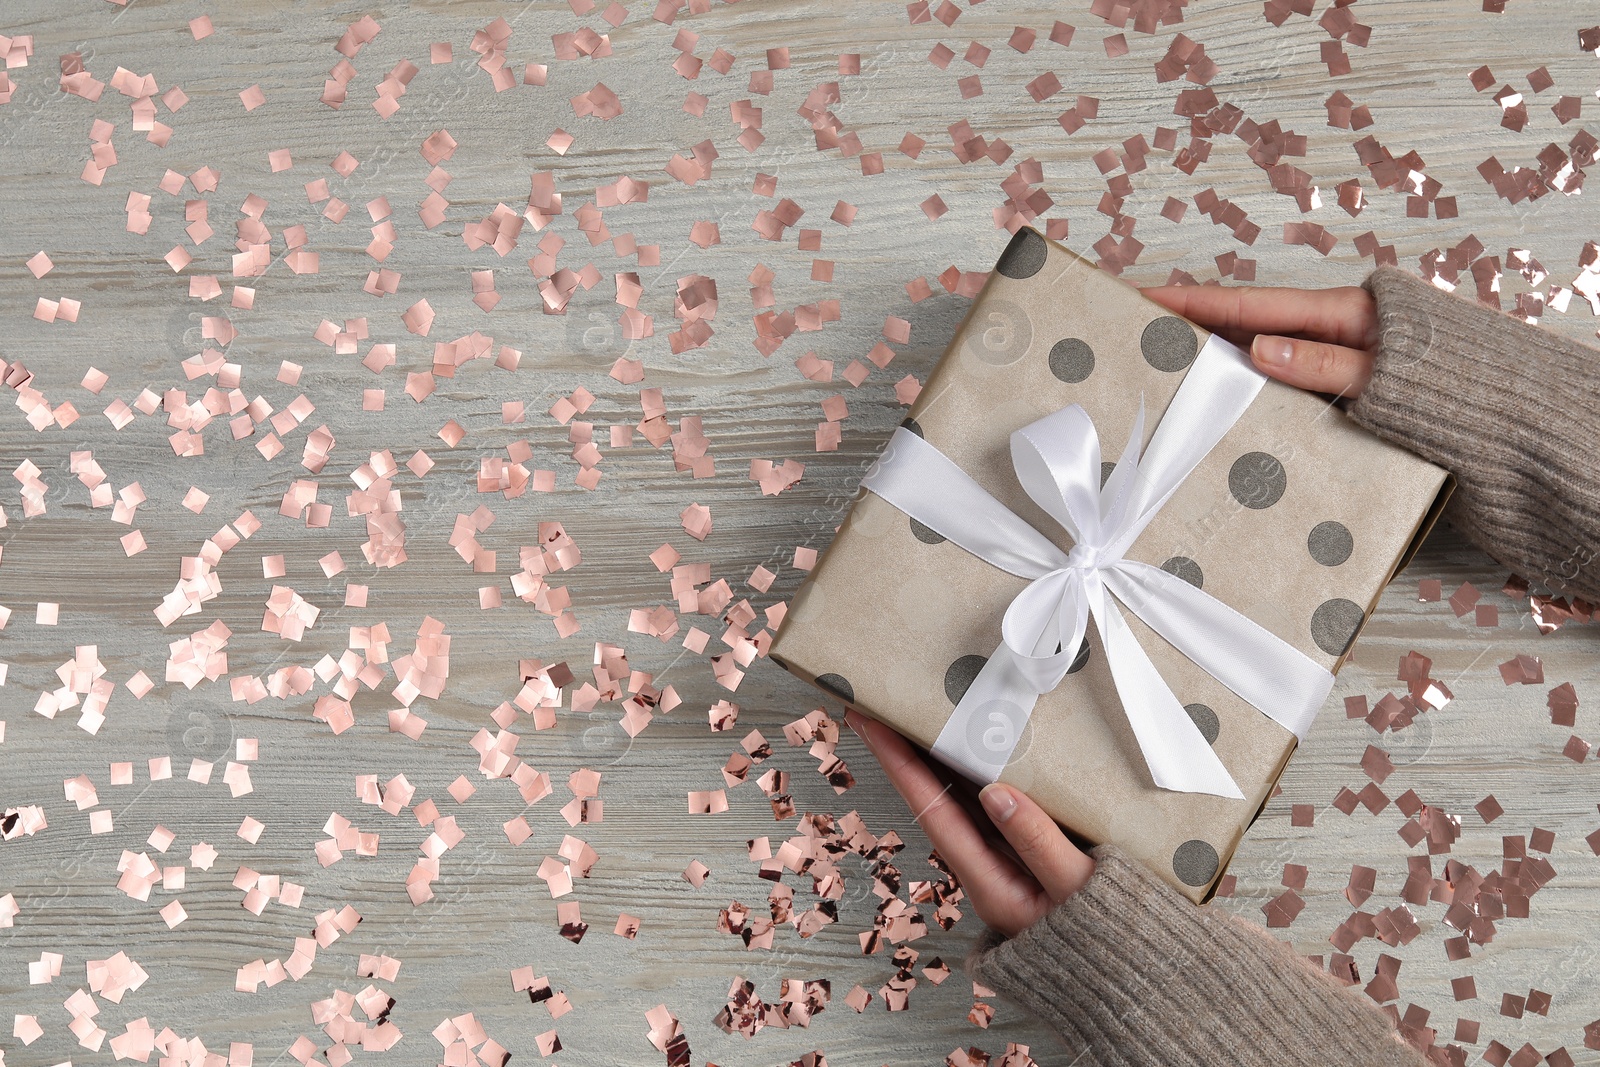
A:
1272, 351
857, 726
999, 801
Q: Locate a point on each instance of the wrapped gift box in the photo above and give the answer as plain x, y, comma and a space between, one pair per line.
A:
1296, 518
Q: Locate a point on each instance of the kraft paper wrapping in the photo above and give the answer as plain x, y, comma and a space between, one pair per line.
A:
1297, 518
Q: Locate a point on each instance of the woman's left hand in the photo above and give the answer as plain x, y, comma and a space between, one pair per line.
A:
1321, 340
1008, 895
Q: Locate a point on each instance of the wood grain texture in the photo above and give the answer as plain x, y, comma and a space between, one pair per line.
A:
491, 914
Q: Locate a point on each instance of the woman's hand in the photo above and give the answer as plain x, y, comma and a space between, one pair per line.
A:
1316, 339
1008, 895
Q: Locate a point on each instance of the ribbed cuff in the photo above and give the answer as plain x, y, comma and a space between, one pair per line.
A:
1509, 409
1130, 973
1439, 373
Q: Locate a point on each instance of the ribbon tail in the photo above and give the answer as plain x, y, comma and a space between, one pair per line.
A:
1117, 495
1266, 671
989, 722
1176, 753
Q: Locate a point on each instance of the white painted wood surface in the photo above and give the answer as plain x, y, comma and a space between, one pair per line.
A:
491, 913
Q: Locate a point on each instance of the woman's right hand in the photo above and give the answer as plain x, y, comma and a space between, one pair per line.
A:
1008, 895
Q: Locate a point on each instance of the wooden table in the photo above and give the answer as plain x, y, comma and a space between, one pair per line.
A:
490, 913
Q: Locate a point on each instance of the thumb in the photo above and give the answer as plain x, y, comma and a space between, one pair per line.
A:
1315, 366
1054, 860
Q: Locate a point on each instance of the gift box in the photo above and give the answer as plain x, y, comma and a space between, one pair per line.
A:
1229, 558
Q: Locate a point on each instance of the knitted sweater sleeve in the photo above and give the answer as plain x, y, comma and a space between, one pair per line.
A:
1133, 975
1509, 409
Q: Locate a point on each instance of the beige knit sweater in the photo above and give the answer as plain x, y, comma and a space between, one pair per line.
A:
1133, 975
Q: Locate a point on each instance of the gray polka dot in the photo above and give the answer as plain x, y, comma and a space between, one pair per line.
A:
1071, 360
1081, 659
962, 673
1195, 862
1106, 467
1205, 720
1023, 256
914, 426
926, 534
1330, 543
1169, 344
1185, 568
1257, 480
1334, 625
838, 686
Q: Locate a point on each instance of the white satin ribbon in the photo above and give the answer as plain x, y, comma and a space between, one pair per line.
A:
1057, 462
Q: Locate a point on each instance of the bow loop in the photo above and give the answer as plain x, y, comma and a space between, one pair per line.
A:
1057, 461
1045, 624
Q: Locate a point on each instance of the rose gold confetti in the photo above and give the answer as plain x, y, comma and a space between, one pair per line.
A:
702, 589
696, 520
26, 1028
1523, 669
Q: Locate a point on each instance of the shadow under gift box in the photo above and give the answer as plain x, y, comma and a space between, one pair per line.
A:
1297, 519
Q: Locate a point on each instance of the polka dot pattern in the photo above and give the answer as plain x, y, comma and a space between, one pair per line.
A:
1071, 360
1185, 568
1257, 480
960, 675
1330, 543
1289, 558
1024, 256
1195, 862
1334, 625
838, 685
1169, 344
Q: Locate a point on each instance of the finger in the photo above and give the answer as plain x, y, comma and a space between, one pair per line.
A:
1314, 365
943, 819
1003, 893
1343, 316
1058, 864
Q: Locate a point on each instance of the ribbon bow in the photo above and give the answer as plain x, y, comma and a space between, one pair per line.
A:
1057, 462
